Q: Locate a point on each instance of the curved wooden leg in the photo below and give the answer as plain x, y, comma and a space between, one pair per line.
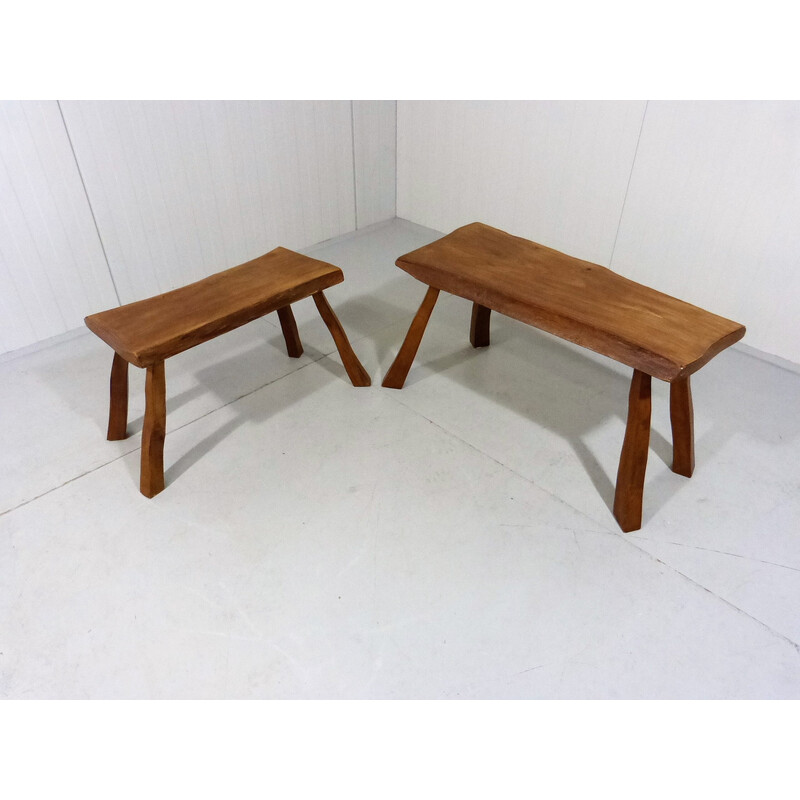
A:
355, 371
479, 326
633, 461
151, 480
294, 347
118, 405
681, 413
396, 376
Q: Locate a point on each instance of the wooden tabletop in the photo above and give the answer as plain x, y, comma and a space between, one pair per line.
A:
151, 330
574, 299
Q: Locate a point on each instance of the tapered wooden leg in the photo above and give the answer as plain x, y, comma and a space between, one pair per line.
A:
355, 371
294, 347
396, 376
479, 326
151, 480
633, 461
681, 415
118, 405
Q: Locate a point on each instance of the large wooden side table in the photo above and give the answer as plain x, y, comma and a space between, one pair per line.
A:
657, 335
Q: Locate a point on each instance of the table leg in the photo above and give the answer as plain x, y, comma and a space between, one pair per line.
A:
355, 371
681, 414
151, 480
396, 376
633, 460
479, 326
118, 405
294, 347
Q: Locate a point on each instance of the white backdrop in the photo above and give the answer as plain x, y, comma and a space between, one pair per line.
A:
129, 199
108, 200
52, 268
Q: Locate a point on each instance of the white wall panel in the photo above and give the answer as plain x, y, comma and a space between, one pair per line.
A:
52, 269
374, 145
713, 213
554, 172
183, 189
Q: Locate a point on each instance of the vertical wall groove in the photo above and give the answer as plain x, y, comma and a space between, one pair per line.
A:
88, 201
551, 171
355, 179
628, 185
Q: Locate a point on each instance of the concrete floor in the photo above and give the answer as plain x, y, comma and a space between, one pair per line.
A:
450, 540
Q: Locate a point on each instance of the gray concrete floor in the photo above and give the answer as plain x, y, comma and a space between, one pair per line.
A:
450, 540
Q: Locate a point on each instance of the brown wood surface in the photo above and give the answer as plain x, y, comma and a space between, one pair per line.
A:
396, 376
151, 330
294, 347
118, 405
681, 414
355, 371
633, 460
151, 478
480, 325
574, 299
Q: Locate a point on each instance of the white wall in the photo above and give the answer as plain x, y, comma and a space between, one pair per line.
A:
713, 214
555, 172
698, 199
374, 142
178, 190
52, 268
184, 189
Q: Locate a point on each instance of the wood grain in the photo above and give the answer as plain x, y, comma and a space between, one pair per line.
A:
480, 326
355, 371
151, 478
633, 460
294, 347
118, 405
681, 413
151, 330
574, 299
396, 376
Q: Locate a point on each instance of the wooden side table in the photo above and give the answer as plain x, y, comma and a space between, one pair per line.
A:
655, 334
147, 332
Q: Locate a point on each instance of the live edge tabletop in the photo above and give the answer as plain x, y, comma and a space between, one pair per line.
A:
658, 335
576, 300
151, 330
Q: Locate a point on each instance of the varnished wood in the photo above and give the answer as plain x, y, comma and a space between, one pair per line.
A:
585, 303
479, 325
681, 414
396, 376
579, 301
147, 332
633, 460
294, 347
151, 479
355, 371
118, 405
152, 330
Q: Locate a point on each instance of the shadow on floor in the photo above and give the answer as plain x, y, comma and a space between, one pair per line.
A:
555, 385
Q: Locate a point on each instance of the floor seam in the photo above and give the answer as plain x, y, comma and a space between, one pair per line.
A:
628, 540
510, 469
764, 625
171, 430
720, 552
67, 482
